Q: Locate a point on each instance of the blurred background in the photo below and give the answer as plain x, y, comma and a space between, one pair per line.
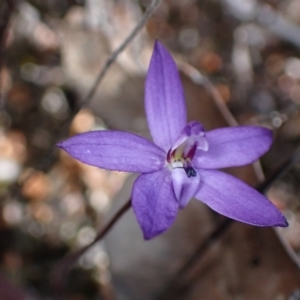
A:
239, 63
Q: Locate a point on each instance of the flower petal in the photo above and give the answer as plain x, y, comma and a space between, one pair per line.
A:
233, 146
185, 187
234, 199
115, 150
164, 98
192, 135
154, 202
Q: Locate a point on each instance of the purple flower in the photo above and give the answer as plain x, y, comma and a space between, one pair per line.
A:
182, 161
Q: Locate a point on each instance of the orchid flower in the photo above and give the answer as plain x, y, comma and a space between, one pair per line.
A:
181, 162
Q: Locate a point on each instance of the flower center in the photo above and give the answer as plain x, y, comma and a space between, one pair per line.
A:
181, 154
181, 158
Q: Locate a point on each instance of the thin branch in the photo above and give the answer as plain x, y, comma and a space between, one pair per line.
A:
59, 274
282, 169
149, 11
265, 15
48, 158
111, 59
176, 286
202, 80
198, 78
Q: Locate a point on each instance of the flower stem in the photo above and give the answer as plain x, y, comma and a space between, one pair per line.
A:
58, 278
